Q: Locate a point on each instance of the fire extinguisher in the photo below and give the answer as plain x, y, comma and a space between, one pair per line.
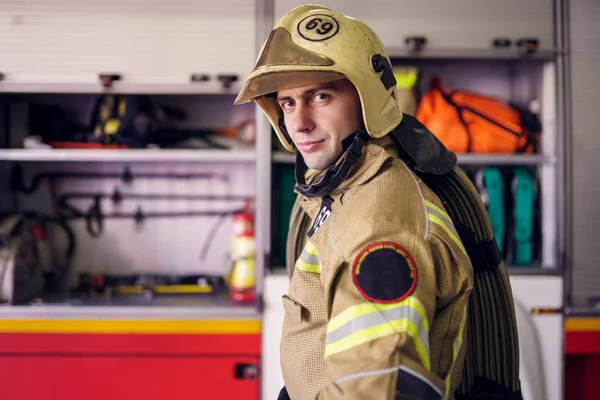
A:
242, 280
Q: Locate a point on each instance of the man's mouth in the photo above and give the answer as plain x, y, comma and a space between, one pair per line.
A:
310, 146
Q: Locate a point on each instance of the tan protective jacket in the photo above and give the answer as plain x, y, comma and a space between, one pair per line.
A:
377, 303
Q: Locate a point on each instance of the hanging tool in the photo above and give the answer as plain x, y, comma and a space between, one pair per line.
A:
117, 197
523, 189
126, 176
95, 217
489, 184
28, 268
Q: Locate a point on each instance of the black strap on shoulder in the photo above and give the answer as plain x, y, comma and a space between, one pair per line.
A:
484, 254
423, 150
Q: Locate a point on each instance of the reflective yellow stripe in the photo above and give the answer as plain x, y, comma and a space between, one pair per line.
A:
440, 217
436, 208
455, 238
309, 259
379, 331
311, 249
369, 321
455, 349
302, 266
366, 308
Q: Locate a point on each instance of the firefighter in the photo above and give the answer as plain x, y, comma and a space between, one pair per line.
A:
381, 282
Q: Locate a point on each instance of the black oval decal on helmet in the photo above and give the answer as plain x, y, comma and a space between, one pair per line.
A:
318, 27
384, 272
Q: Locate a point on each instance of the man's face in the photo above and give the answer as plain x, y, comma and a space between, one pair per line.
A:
318, 117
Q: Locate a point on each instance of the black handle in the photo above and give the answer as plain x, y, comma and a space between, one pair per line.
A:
227, 80
107, 80
501, 42
415, 43
199, 78
246, 371
528, 45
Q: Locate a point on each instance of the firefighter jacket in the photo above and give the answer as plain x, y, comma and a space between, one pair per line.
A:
376, 307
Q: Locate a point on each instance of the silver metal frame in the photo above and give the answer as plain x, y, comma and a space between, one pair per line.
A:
474, 54
548, 174
213, 88
565, 184
563, 125
264, 22
129, 155
463, 159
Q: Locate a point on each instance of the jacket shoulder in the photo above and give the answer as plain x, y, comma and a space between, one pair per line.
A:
392, 198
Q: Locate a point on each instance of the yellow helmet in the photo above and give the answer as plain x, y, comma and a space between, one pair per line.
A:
313, 44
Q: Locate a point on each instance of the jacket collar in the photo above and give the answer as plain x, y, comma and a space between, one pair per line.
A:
373, 158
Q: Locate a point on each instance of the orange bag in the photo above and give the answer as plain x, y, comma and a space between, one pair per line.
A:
472, 123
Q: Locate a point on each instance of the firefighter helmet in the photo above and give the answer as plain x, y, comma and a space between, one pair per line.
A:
313, 44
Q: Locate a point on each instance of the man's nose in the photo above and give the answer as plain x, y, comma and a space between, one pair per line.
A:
301, 120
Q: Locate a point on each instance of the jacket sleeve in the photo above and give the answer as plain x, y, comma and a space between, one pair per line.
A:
384, 299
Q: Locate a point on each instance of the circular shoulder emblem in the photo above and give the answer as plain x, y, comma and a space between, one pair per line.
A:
384, 272
318, 27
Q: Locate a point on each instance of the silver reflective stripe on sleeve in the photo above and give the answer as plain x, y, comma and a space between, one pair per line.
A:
370, 321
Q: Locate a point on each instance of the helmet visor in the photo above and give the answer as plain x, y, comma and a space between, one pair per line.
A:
284, 65
272, 82
279, 49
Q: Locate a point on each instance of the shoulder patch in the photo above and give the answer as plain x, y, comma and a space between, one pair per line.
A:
384, 272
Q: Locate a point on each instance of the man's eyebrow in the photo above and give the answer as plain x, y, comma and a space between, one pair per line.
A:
324, 86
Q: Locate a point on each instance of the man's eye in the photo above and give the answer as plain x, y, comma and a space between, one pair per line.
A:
321, 97
285, 105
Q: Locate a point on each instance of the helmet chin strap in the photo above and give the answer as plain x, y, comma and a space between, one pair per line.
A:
335, 174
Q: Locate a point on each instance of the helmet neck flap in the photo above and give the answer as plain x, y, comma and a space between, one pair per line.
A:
335, 174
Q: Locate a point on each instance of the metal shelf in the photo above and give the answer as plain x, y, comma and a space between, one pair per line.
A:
463, 159
119, 88
502, 159
472, 54
534, 270
193, 307
582, 311
126, 155
65, 155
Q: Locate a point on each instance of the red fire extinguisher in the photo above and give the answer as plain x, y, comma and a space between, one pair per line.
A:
242, 281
